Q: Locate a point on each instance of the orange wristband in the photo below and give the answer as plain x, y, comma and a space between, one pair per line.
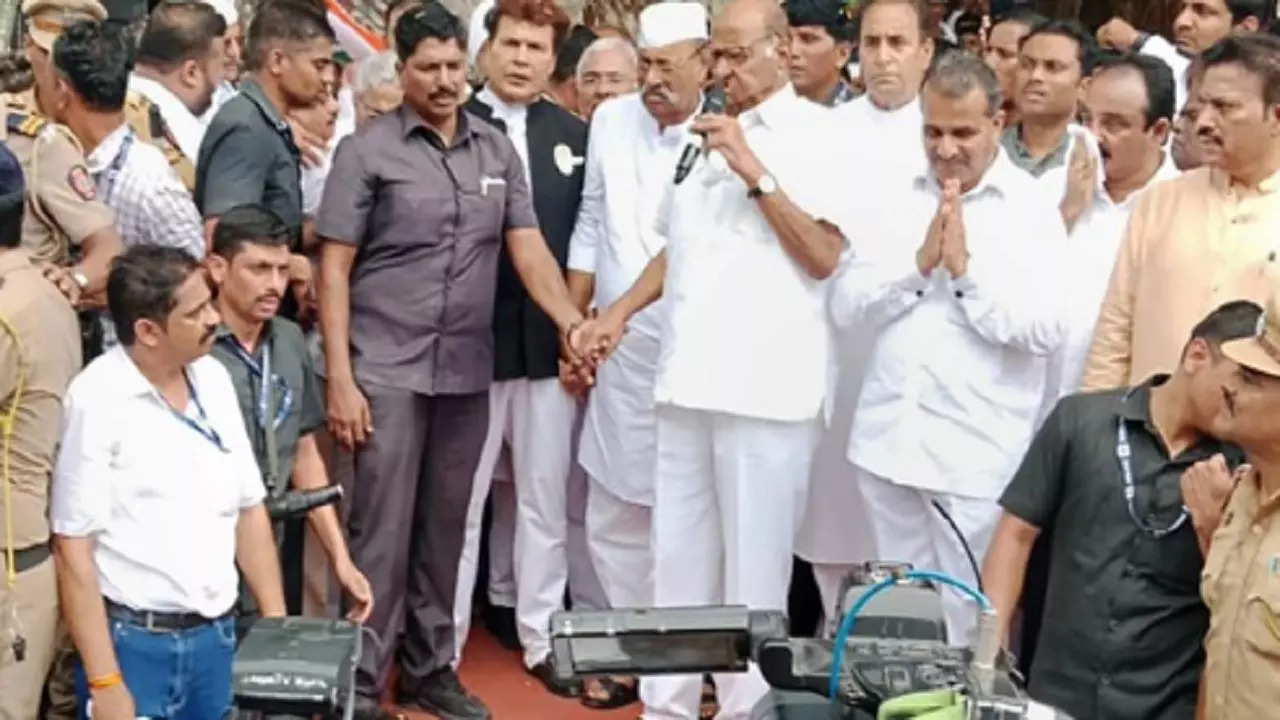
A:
106, 682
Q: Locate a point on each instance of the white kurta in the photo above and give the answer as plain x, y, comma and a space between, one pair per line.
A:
1157, 47
889, 151
950, 397
630, 162
1090, 256
742, 379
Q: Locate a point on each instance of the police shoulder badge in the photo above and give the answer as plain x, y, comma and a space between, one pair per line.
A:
566, 161
81, 184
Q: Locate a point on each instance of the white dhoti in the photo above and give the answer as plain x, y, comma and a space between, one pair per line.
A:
907, 528
619, 436
502, 535
535, 418
586, 592
729, 497
835, 536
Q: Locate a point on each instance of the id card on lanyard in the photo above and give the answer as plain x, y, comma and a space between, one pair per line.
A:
200, 423
267, 415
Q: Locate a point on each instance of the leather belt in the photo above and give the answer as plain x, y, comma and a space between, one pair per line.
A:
27, 557
159, 621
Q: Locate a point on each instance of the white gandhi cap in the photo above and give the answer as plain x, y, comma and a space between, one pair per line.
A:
225, 8
476, 33
665, 23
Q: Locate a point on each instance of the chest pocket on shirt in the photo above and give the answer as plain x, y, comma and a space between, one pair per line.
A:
484, 210
140, 490
1262, 610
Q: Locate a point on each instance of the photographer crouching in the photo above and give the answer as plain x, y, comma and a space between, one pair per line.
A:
274, 377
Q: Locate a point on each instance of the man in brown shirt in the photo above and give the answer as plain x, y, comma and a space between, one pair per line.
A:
1206, 237
1241, 578
39, 354
418, 206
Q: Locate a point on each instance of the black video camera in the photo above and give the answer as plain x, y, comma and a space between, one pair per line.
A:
898, 653
298, 666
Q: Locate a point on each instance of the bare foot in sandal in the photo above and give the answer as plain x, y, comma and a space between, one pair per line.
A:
608, 693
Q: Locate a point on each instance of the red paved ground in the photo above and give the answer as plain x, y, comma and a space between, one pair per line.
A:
498, 677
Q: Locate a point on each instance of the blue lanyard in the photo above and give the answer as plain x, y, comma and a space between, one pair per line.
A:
200, 424
113, 170
265, 380
1124, 453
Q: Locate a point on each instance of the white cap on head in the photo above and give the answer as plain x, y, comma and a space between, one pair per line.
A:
476, 33
665, 23
225, 8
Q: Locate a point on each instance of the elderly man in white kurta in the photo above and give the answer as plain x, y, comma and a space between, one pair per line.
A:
635, 143
752, 235
884, 125
956, 270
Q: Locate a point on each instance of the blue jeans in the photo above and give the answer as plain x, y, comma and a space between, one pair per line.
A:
173, 675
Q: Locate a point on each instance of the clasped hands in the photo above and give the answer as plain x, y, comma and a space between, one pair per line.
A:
944, 244
585, 347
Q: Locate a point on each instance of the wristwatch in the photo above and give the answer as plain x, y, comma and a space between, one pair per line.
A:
82, 280
765, 185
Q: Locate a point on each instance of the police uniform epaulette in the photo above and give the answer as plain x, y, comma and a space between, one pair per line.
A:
24, 123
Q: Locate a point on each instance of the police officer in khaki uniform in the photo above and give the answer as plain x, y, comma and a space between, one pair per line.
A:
39, 354
63, 211
45, 20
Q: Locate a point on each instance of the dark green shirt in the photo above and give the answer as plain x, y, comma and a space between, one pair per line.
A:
1011, 140
1123, 622
300, 409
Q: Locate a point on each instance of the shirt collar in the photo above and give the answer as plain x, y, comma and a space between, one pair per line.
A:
106, 151
502, 110
224, 334
411, 122
250, 88
182, 122
670, 135
773, 112
1011, 139
1000, 176
1224, 183
126, 378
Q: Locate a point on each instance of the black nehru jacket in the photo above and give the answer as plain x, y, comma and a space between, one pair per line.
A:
526, 343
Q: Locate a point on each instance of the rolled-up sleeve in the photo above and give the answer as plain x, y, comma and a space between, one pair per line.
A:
348, 195
80, 502
235, 170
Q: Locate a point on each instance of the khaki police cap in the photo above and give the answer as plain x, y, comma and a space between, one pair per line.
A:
46, 19
1262, 351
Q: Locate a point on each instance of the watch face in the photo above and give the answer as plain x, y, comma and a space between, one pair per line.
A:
767, 185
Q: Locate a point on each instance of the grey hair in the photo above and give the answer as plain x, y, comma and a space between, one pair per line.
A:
376, 71
957, 73
605, 44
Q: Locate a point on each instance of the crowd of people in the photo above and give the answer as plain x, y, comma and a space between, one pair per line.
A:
595, 319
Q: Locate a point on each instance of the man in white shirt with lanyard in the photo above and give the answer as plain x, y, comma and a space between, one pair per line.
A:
956, 272
157, 498
894, 52
753, 232
635, 143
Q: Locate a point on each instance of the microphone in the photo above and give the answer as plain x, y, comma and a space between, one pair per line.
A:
713, 102
294, 504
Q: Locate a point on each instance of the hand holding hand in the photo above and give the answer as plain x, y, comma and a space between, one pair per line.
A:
595, 339
723, 134
1205, 489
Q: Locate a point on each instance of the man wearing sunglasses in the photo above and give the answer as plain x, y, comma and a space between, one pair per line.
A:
1133, 482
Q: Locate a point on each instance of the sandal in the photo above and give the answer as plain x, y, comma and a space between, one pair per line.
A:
710, 705
617, 692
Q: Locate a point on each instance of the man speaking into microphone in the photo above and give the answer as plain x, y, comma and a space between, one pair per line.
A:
752, 235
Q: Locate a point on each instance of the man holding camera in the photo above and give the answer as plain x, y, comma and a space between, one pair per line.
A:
156, 499
273, 374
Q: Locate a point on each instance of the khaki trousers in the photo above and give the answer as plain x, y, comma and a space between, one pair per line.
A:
36, 600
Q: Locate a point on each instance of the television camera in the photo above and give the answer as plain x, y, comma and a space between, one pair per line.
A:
296, 666
888, 658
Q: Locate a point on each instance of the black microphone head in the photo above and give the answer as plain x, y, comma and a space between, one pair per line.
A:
714, 100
